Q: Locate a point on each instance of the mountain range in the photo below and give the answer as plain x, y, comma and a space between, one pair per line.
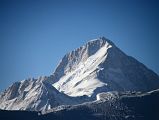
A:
98, 68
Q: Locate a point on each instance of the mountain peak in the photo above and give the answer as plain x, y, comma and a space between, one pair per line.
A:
71, 60
101, 66
100, 41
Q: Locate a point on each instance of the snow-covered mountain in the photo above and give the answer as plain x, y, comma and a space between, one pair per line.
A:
98, 66
34, 95
101, 66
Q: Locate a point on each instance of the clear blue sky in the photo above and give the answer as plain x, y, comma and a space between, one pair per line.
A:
34, 35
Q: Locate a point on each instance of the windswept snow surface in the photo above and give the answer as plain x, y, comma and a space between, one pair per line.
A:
83, 81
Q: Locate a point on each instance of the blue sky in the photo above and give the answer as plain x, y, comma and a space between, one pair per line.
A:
35, 34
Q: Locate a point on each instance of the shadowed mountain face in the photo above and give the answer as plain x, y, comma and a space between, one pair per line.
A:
98, 66
122, 73
119, 106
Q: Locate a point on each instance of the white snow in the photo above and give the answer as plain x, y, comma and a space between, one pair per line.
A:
83, 81
34, 95
106, 96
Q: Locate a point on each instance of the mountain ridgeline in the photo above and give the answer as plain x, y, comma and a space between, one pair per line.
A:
98, 66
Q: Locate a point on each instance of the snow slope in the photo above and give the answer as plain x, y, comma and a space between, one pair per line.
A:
83, 79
